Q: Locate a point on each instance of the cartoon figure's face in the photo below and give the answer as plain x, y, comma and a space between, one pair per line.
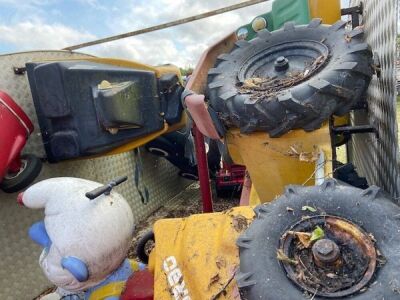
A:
83, 240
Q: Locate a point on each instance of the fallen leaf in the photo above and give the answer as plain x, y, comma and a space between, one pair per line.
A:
280, 255
239, 222
303, 237
317, 234
331, 275
309, 208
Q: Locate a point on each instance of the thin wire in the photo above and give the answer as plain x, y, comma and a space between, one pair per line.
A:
167, 25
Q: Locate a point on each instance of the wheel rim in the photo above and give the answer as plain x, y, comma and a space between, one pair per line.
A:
285, 65
10, 176
334, 272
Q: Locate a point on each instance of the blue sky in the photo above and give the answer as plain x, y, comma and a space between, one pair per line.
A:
53, 24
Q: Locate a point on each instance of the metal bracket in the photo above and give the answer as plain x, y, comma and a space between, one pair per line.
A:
350, 130
19, 70
355, 13
105, 189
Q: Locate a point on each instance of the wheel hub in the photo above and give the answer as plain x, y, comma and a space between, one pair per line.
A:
284, 65
339, 265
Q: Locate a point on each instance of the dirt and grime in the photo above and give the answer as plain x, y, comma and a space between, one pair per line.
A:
346, 273
267, 88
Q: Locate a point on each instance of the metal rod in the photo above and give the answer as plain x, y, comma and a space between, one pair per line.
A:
202, 168
167, 25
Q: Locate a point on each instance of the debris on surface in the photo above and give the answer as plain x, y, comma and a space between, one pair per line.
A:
267, 88
220, 262
303, 237
309, 208
317, 234
213, 280
296, 150
281, 256
239, 222
186, 203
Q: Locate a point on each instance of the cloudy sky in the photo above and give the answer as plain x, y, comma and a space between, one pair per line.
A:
54, 24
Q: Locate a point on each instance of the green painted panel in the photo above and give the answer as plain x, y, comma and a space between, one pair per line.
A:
282, 11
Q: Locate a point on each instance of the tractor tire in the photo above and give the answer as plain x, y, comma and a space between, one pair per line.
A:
300, 97
32, 166
262, 276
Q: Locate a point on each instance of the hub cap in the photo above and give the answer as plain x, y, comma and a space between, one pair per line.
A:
340, 264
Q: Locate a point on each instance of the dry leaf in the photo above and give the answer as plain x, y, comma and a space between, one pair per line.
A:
304, 237
239, 222
283, 258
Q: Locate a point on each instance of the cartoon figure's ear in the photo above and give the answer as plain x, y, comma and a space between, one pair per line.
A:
76, 267
37, 232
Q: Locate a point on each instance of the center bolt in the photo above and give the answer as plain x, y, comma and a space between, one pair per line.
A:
325, 252
281, 64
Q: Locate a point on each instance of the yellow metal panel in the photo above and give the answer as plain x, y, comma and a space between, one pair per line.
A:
327, 10
198, 253
274, 163
254, 198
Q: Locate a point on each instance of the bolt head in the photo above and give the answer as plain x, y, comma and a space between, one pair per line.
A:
280, 59
324, 247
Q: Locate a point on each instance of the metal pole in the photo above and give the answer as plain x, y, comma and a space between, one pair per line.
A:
167, 25
202, 168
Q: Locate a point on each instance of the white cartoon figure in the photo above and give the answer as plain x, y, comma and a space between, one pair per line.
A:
85, 234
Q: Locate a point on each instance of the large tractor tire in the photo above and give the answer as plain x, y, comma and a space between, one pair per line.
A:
295, 77
363, 224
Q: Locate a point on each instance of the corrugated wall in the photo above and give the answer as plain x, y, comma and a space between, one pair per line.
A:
377, 157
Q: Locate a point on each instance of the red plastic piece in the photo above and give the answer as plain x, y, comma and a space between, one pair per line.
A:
230, 175
202, 167
140, 286
200, 115
20, 199
14, 130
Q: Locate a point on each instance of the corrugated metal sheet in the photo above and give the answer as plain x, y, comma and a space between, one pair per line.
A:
377, 158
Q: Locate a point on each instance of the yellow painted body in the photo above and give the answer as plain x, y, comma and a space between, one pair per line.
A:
327, 10
274, 163
205, 251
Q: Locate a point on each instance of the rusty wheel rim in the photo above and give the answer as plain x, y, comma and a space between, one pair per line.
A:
352, 240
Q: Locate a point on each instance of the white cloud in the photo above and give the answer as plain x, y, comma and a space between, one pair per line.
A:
180, 45
29, 35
